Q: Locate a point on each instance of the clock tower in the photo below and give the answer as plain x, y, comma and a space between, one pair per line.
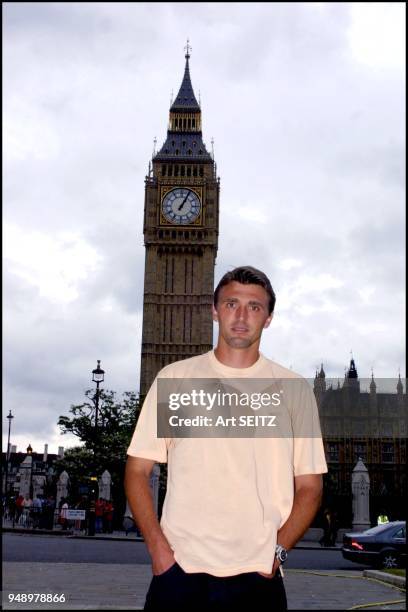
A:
181, 237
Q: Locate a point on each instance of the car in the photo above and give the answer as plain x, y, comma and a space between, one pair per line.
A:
380, 546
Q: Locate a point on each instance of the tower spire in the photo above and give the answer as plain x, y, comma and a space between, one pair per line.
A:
185, 99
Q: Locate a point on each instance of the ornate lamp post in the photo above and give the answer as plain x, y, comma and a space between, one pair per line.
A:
9, 417
97, 377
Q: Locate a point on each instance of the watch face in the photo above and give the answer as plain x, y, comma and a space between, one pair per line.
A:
181, 206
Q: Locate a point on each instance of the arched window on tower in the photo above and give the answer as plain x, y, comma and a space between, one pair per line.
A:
182, 170
176, 170
188, 170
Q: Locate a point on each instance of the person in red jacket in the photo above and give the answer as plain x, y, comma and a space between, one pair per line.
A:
99, 512
108, 517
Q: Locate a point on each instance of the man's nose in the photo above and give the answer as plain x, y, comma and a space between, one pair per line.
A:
241, 313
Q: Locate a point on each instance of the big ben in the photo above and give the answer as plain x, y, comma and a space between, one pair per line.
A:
181, 237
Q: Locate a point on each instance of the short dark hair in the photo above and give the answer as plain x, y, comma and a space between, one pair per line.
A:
247, 275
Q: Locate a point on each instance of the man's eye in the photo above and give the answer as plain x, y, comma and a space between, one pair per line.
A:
230, 304
256, 308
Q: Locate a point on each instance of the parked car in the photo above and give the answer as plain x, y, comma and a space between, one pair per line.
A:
380, 546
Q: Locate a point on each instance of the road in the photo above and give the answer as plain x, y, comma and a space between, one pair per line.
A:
52, 549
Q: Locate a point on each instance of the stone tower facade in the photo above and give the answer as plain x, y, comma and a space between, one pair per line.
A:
181, 237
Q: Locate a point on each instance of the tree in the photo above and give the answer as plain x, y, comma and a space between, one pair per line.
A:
116, 423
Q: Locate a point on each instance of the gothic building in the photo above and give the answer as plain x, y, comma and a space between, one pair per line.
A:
367, 424
181, 239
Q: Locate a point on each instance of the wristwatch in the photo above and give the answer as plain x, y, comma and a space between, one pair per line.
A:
281, 553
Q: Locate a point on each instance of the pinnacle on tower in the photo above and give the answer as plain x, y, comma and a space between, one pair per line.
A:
400, 388
185, 99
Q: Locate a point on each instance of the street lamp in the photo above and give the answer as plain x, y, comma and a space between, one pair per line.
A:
9, 417
97, 377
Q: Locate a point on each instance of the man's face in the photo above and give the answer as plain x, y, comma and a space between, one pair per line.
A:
242, 313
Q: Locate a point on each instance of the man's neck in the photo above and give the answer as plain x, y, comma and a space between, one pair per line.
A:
237, 358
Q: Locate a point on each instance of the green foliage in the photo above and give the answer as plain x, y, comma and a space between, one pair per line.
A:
106, 450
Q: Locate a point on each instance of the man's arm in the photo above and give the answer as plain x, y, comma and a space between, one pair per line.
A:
140, 499
307, 500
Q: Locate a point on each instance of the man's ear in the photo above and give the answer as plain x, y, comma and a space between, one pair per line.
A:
268, 320
214, 314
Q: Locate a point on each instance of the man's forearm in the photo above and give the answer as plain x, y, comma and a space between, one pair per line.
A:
305, 506
140, 499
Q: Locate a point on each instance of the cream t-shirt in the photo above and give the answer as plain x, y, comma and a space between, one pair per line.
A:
226, 497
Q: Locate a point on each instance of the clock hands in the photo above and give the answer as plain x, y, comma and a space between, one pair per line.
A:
184, 201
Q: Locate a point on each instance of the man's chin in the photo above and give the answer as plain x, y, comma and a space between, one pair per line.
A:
242, 343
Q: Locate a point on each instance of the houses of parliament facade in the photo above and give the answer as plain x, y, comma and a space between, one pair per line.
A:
360, 421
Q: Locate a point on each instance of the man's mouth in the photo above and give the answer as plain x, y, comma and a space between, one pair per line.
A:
239, 329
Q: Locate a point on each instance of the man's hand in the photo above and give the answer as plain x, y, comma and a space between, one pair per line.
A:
140, 499
162, 560
274, 569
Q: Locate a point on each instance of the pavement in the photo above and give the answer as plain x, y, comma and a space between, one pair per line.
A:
97, 586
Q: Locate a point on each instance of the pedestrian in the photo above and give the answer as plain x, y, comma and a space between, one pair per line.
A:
382, 518
99, 512
12, 508
91, 517
63, 517
234, 506
27, 505
334, 526
327, 523
37, 511
108, 517
49, 512
19, 507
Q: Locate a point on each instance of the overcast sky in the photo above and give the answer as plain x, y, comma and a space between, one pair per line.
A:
306, 105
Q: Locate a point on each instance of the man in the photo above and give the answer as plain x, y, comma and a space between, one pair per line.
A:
234, 506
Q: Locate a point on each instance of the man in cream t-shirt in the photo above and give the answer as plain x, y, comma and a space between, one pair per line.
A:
234, 506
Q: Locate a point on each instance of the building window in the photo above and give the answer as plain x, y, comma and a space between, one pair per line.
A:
333, 451
387, 452
177, 151
386, 428
170, 170
188, 170
176, 170
201, 171
193, 123
360, 450
195, 171
163, 170
183, 170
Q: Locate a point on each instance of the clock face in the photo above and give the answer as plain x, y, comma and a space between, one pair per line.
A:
181, 206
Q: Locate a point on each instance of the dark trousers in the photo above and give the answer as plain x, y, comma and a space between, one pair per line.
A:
177, 590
